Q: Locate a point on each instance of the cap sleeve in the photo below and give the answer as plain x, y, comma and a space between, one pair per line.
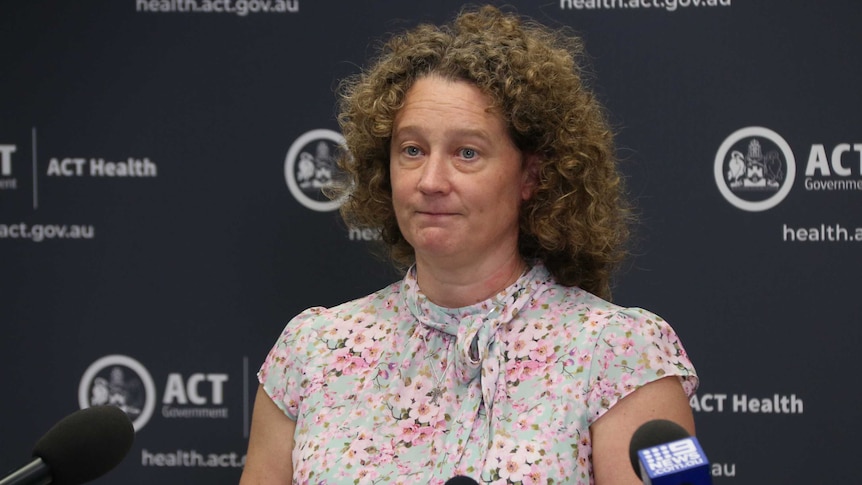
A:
282, 372
635, 347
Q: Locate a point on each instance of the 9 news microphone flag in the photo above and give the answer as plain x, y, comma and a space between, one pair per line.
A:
663, 453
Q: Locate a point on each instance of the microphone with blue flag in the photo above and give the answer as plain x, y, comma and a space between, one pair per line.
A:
663, 453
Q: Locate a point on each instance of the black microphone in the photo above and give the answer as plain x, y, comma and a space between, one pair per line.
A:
461, 480
668, 455
80, 447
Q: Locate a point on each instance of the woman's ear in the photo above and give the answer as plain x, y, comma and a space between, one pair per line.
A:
531, 175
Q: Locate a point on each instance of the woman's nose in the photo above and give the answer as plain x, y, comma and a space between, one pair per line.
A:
434, 177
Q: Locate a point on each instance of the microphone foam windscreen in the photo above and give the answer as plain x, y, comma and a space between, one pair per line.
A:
461, 480
86, 444
653, 433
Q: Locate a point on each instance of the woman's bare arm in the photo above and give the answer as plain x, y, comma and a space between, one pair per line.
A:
270, 446
612, 433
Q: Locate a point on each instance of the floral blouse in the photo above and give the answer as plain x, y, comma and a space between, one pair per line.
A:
391, 388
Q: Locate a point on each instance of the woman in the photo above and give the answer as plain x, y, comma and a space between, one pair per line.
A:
488, 167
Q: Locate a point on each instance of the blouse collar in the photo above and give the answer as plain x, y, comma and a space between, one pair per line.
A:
448, 320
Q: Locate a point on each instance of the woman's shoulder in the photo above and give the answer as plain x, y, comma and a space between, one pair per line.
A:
574, 302
571, 305
365, 308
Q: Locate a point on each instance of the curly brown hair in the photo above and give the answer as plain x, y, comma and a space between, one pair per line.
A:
577, 220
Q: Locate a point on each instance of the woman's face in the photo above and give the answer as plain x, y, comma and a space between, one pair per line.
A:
457, 178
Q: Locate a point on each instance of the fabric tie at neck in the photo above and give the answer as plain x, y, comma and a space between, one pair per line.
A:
477, 351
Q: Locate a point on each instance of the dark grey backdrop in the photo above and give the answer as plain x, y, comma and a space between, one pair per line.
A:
192, 273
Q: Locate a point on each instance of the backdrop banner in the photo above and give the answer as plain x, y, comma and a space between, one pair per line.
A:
161, 215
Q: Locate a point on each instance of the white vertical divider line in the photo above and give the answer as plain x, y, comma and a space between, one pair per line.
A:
35, 174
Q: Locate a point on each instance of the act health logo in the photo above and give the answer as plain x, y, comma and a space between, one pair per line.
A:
754, 169
310, 167
121, 381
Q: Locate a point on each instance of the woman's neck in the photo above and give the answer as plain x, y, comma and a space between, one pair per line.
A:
461, 286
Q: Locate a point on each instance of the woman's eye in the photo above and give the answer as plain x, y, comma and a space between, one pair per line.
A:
468, 153
412, 151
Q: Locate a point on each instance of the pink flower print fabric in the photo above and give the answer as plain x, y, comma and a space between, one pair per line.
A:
391, 388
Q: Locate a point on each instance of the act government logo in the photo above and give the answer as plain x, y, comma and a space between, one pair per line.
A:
310, 167
121, 381
754, 169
